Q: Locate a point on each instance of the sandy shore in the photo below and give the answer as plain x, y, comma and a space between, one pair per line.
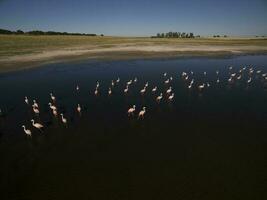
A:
123, 51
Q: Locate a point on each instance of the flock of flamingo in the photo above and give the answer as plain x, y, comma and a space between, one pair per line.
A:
188, 77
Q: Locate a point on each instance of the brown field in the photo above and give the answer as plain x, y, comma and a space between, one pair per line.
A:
20, 52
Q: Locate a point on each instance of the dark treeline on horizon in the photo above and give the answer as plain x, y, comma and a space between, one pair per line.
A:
38, 32
175, 35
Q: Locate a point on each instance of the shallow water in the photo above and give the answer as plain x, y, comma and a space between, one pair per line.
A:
203, 145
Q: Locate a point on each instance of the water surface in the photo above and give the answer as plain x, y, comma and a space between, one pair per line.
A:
203, 145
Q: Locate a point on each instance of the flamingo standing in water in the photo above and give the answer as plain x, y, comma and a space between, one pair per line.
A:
96, 91
169, 90
37, 125
64, 120
52, 107
27, 131
143, 90
171, 97
142, 113
131, 110
79, 109
154, 89
129, 82
201, 87
35, 104
167, 81
52, 97
159, 98
35, 109
26, 100
118, 80
109, 91
126, 89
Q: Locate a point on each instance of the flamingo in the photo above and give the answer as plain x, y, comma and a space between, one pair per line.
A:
171, 97
35, 104
190, 86
52, 97
165, 74
142, 113
112, 83
258, 72
200, 87
126, 89
239, 77
118, 80
97, 84
77, 88
171, 78
35, 109
169, 90
109, 91
27, 131
129, 82
146, 85
135, 80
218, 81
143, 90
167, 81
54, 112
154, 89
249, 80
159, 97
131, 110
217, 72
184, 74
37, 125
79, 109
233, 75
64, 120
52, 107
26, 100
96, 91
205, 73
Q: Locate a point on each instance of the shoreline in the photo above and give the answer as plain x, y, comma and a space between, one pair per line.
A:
129, 49
20, 66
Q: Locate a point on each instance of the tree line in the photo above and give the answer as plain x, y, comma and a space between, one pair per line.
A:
38, 32
175, 35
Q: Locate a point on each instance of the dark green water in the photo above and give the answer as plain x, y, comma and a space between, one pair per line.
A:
203, 145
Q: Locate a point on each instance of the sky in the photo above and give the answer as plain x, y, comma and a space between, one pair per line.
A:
137, 17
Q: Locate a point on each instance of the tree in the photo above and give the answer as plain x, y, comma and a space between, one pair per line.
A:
3, 31
19, 32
